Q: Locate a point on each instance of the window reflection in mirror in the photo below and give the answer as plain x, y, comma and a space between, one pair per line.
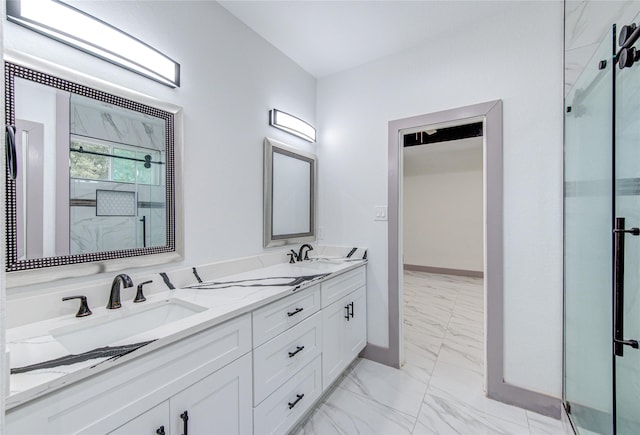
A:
93, 176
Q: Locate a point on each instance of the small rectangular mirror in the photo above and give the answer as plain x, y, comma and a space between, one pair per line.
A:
289, 194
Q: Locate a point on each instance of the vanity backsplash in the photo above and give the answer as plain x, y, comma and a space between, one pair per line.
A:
27, 305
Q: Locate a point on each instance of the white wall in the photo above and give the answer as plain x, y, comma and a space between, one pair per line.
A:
516, 57
443, 205
230, 78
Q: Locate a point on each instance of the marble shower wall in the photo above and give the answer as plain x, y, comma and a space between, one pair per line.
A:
90, 232
587, 22
107, 122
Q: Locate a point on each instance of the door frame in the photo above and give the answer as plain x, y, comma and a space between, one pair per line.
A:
496, 387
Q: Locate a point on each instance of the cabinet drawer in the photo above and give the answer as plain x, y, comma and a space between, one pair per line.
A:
280, 411
335, 288
276, 360
279, 316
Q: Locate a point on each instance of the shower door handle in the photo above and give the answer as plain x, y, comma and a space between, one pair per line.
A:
618, 287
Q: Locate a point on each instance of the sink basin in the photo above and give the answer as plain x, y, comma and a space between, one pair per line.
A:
116, 325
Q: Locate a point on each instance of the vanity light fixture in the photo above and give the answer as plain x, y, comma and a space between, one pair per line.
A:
80, 30
292, 124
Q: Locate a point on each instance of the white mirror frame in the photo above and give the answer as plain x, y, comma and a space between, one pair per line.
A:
39, 275
271, 240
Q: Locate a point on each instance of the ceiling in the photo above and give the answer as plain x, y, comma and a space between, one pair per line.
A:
326, 37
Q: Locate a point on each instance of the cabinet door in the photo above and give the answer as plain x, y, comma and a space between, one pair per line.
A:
221, 403
334, 358
149, 423
356, 333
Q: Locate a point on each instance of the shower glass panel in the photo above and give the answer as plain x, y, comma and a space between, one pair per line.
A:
588, 206
627, 205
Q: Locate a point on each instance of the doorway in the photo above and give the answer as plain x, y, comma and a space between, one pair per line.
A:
443, 199
490, 114
443, 249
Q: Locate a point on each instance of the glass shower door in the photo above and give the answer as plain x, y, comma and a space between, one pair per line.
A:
627, 247
588, 206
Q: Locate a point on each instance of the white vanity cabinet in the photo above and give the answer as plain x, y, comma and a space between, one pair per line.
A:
302, 343
154, 421
286, 360
259, 373
218, 404
208, 374
344, 323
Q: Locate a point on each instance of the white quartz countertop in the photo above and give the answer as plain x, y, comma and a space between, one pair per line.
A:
41, 364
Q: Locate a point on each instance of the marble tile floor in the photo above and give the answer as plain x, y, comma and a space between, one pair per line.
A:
439, 390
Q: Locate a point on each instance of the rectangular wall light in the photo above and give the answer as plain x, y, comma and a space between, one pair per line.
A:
73, 27
291, 124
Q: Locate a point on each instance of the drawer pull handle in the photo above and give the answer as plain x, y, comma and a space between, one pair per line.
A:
298, 349
160, 430
347, 316
295, 402
294, 312
185, 418
351, 304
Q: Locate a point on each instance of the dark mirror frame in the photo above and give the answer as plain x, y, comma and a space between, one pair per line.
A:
104, 259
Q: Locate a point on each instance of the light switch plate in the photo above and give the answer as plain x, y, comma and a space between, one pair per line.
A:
380, 213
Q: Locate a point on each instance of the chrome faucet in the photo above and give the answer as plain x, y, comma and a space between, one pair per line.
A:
306, 254
114, 296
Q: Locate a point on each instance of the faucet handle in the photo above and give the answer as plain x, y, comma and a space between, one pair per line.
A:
294, 256
84, 310
139, 296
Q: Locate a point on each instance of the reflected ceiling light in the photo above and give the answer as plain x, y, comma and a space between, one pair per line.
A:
71, 26
291, 124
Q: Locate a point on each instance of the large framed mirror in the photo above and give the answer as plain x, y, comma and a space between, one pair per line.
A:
289, 194
91, 177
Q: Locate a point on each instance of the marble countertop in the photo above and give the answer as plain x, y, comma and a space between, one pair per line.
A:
41, 364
